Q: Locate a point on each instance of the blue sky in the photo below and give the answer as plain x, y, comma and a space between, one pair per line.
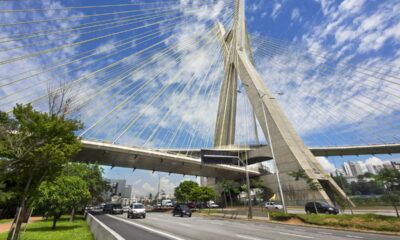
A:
149, 74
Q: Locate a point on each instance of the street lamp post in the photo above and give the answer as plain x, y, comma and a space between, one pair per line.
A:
273, 155
250, 212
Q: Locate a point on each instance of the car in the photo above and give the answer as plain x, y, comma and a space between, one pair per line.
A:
113, 208
96, 210
167, 203
320, 207
126, 209
212, 204
191, 205
273, 205
182, 210
137, 210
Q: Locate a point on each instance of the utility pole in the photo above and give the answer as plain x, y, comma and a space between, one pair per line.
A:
273, 154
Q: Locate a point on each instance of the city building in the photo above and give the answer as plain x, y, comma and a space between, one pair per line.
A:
347, 169
356, 168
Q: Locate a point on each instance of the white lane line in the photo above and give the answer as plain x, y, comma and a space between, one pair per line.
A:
299, 229
217, 223
186, 225
249, 237
147, 228
115, 234
353, 236
295, 235
327, 233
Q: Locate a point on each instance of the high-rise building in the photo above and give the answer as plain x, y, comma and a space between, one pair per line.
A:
347, 169
127, 192
118, 186
356, 168
396, 165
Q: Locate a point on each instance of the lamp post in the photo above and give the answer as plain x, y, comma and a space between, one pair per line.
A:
273, 154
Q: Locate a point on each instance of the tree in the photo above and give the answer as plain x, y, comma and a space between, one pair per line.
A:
61, 195
390, 178
183, 192
91, 174
314, 185
204, 193
35, 146
225, 188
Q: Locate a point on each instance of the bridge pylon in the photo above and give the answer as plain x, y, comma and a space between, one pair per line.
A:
291, 153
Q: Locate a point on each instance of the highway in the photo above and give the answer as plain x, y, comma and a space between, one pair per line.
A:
165, 226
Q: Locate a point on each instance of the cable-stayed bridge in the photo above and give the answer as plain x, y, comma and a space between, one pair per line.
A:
154, 82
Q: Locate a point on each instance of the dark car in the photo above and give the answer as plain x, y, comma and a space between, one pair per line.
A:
321, 207
113, 208
191, 205
182, 210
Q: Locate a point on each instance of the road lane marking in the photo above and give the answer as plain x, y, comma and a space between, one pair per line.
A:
249, 237
115, 234
186, 225
299, 229
147, 228
325, 233
353, 236
295, 235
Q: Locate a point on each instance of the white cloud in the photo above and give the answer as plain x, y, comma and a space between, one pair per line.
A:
352, 6
295, 14
276, 10
328, 166
148, 188
375, 161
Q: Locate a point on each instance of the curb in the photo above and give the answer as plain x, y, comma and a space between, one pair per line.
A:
304, 225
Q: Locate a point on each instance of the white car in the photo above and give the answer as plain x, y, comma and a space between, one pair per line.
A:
137, 210
212, 204
272, 205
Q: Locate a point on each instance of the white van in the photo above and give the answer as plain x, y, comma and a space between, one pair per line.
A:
167, 203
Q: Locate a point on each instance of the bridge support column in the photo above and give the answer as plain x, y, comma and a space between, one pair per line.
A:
291, 154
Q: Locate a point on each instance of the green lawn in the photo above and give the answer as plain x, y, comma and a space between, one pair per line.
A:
41, 230
5, 220
359, 221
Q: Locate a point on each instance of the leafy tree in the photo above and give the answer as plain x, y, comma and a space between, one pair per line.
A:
314, 185
92, 175
390, 178
183, 192
204, 193
35, 146
224, 186
266, 193
61, 195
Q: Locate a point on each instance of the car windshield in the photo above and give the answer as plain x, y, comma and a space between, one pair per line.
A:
138, 206
117, 206
323, 204
183, 207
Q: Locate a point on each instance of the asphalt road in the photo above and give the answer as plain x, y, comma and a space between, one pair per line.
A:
165, 226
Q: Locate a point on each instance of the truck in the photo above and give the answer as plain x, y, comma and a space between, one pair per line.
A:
167, 203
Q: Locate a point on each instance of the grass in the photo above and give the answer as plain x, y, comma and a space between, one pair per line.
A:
207, 211
5, 220
359, 221
41, 230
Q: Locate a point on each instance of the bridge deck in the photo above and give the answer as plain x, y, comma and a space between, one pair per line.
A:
148, 159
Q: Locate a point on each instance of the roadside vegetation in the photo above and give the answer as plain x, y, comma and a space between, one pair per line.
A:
37, 169
42, 230
359, 221
191, 191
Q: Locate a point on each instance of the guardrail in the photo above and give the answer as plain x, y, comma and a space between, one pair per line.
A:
100, 230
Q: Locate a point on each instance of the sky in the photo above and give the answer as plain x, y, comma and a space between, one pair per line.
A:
148, 73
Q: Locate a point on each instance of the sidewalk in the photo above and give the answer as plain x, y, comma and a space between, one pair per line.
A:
4, 227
